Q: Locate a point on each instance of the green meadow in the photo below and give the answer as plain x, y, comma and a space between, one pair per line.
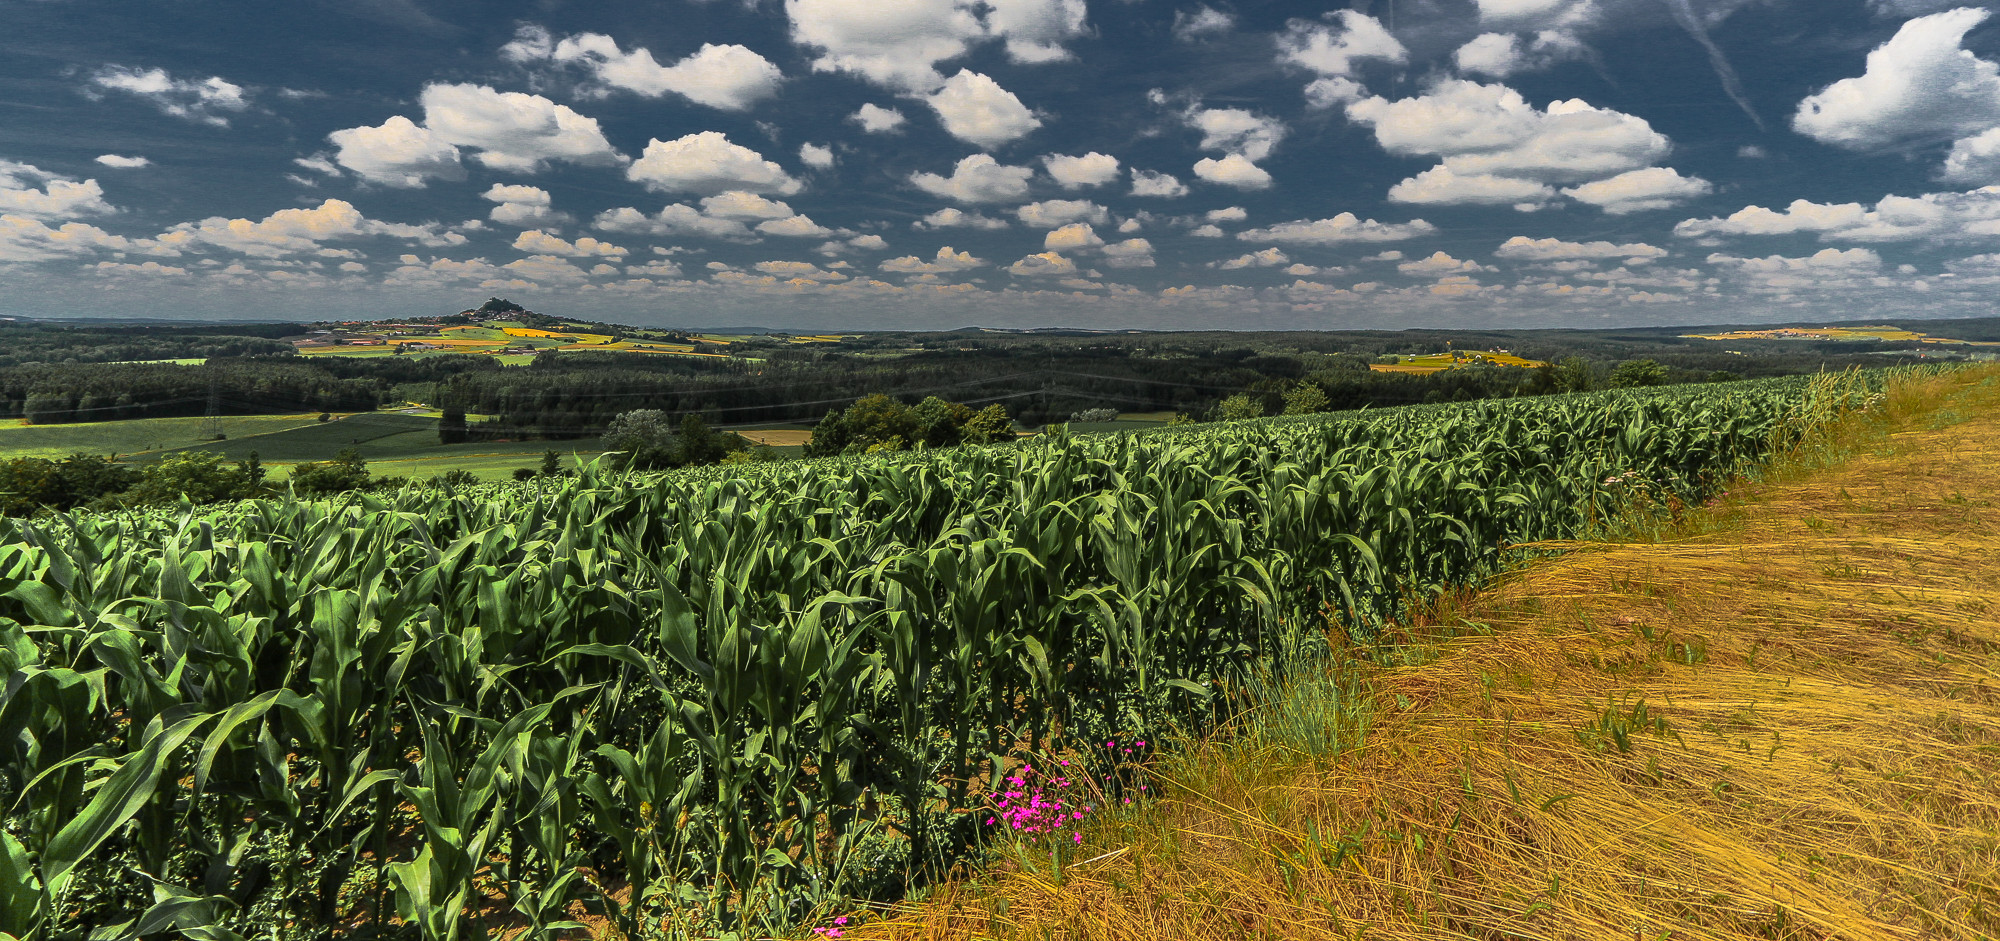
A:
393, 443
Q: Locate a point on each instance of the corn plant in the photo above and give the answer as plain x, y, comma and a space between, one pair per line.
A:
710, 699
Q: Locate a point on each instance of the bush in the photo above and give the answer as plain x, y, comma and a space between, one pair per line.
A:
198, 477
1094, 415
1305, 398
1638, 374
29, 484
1238, 407
878, 423
347, 471
989, 425
642, 438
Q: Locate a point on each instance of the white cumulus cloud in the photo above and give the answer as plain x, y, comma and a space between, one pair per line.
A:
1523, 248
794, 227
738, 204
505, 131
1131, 253
398, 152
1043, 265
1439, 185
298, 231
1055, 213
118, 162
1202, 21
1330, 50
1091, 169
898, 43
975, 109
1920, 84
816, 156
28, 190
524, 206
955, 218
1345, 227
1152, 183
538, 242
1236, 131
708, 163
1034, 30
1639, 190
674, 219
205, 100
513, 131
1233, 170
1491, 129
876, 119
977, 179
1973, 214
947, 261
1438, 265
1074, 237
1268, 258
26, 240
1500, 55
729, 77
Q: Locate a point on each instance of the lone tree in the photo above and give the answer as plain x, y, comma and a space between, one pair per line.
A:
646, 440
1638, 374
879, 423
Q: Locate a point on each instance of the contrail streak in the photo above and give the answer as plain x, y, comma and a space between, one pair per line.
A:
1730, 83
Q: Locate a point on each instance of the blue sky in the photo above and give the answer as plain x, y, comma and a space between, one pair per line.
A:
930, 164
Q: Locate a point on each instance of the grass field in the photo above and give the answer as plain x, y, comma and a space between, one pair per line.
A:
394, 443
136, 436
388, 440
1132, 422
1779, 720
485, 466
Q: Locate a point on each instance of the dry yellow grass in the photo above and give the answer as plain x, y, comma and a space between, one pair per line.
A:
777, 437
1787, 726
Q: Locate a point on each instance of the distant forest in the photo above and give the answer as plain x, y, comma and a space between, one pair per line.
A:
1039, 377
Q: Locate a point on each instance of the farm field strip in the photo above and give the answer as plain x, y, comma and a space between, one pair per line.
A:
745, 694
501, 337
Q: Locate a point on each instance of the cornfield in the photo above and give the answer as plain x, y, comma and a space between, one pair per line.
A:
723, 702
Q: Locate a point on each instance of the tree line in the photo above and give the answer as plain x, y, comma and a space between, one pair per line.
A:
1041, 379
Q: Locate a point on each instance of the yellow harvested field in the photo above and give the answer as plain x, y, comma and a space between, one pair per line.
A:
547, 334
1886, 334
1439, 362
776, 437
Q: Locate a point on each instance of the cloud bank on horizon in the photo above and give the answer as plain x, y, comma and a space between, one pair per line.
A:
927, 164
